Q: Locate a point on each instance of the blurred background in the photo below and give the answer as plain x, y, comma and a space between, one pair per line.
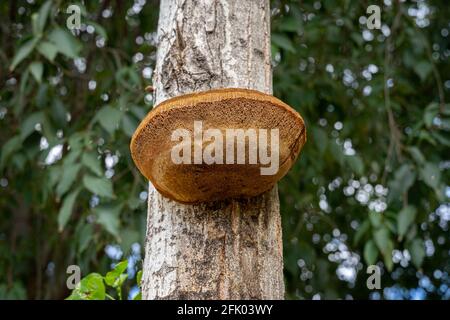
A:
371, 185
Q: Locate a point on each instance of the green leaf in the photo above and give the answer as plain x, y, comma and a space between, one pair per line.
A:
99, 29
370, 252
282, 41
133, 202
43, 14
72, 156
139, 278
10, 147
385, 245
108, 217
99, 186
23, 89
417, 250
388, 260
34, 23
431, 175
48, 50
28, 126
376, 219
361, 231
58, 110
76, 142
404, 220
90, 287
54, 174
66, 209
357, 38
412, 233
85, 237
441, 138
129, 125
431, 111
356, 164
37, 69
382, 239
391, 226
42, 96
403, 180
121, 267
128, 237
423, 69
66, 43
91, 161
290, 24
138, 296
23, 52
70, 173
417, 155
114, 277
109, 118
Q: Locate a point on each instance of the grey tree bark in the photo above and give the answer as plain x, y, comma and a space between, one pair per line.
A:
221, 250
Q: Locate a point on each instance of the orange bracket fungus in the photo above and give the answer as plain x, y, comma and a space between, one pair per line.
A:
217, 144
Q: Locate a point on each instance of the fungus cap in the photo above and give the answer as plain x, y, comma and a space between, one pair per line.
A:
220, 109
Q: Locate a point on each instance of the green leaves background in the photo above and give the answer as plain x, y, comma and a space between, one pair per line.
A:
83, 92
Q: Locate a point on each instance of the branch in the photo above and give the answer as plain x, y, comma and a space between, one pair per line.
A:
395, 134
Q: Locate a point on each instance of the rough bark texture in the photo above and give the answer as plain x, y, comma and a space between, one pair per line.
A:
220, 250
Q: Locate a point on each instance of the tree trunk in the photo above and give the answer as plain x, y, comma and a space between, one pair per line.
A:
220, 250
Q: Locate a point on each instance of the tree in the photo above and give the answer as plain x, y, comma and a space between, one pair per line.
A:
223, 250
371, 185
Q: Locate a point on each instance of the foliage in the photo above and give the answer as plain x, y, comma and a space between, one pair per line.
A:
372, 182
70, 103
95, 287
371, 185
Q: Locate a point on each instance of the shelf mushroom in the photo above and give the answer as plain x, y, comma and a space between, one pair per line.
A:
217, 144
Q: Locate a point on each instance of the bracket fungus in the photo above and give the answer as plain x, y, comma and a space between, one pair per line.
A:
217, 144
